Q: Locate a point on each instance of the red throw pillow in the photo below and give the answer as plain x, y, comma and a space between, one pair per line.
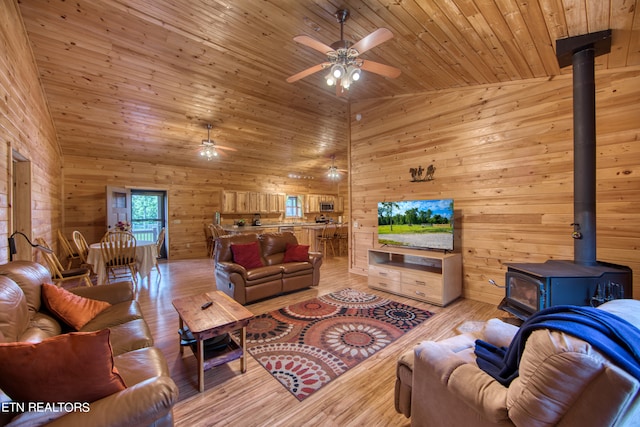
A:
74, 310
296, 253
247, 255
75, 367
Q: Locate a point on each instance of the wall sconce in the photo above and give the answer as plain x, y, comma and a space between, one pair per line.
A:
12, 245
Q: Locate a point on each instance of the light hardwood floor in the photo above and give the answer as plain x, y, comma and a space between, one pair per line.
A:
363, 396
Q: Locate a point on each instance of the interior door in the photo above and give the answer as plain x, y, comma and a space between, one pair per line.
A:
118, 206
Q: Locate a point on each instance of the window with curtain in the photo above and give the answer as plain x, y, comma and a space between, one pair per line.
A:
294, 207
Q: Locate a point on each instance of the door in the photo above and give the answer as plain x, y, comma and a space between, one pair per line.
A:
21, 206
148, 216
118, 206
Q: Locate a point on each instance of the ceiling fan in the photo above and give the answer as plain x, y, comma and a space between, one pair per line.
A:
209, 149
334, 173
343, 57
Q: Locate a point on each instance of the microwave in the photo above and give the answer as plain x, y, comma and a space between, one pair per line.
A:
326, 206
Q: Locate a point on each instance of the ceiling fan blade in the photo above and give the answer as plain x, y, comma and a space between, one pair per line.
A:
313, 44
379, 36
382, 69
307, 72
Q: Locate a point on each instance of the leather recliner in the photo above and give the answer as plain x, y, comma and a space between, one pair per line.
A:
150, 394
273, 278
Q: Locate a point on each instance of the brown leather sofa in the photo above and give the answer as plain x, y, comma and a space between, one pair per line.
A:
273, 278
150, 392
563, 381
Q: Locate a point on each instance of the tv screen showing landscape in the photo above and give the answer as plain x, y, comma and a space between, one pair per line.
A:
423, 224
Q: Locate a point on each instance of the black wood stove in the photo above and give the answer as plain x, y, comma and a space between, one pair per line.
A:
583, 281
533, 287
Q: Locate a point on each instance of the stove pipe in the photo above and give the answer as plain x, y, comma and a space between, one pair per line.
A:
582, 50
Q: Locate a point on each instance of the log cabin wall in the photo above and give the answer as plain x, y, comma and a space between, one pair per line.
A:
504, 153
26, 128
194, 195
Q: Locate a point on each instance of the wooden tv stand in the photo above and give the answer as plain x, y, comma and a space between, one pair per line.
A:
432, 277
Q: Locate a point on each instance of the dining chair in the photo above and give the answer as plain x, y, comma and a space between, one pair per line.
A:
210, 238
217, 231
83, 250
159, 245
58, 273
71, 254
118, 250
327, 238
342, 237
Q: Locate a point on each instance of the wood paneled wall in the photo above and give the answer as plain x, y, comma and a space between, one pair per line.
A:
26, 128
504, 153
194, 195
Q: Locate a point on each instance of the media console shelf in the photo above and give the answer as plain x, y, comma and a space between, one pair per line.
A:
432, 277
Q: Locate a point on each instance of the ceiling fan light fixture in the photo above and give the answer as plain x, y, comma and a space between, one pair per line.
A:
208, 149
330, 80
337, 71
333, 173
354, 73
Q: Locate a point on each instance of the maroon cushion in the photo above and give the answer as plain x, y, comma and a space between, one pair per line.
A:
75, 367
296, 253
247, 255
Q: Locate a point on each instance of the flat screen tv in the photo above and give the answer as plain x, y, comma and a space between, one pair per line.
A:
421, 224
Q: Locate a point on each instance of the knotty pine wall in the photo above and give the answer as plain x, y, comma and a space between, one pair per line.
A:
194, 196
26, 127
504, 153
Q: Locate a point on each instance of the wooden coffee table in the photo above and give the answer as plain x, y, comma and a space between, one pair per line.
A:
224, 315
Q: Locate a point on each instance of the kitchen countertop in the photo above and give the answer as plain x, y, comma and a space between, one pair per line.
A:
259, 228
250, 227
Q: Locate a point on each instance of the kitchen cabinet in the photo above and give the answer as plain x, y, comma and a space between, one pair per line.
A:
242, 202
228, 202
312, 203
282, 203
273, 203
263, 203
254, 205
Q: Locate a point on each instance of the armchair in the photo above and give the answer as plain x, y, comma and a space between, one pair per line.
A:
562, 381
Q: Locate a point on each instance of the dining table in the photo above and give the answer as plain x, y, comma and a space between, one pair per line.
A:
146, 253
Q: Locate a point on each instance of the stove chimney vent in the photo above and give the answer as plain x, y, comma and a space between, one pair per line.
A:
581, 51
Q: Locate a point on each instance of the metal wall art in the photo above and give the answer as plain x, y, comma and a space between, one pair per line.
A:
416, 173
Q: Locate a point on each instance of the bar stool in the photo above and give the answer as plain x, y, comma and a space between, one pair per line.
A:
327, 237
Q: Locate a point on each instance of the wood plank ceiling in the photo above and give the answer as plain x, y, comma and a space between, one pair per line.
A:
139, 80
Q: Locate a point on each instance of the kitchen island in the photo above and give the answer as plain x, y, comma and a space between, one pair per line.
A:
295, 228
307, 233
312, 233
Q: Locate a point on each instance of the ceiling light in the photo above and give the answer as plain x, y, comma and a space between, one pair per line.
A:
337, 71
330, 80
208, 147
333, 173
353, 73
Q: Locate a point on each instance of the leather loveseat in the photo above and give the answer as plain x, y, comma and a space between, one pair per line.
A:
274, 273
562, 381
148, 394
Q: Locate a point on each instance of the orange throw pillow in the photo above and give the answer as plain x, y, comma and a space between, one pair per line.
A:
74, 310
74, 367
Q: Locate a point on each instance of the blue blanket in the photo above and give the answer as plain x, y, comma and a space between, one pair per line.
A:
613, 336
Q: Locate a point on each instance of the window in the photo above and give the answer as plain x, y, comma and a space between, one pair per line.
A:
294, 207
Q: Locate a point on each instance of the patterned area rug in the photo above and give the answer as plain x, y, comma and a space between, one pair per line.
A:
306, 345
